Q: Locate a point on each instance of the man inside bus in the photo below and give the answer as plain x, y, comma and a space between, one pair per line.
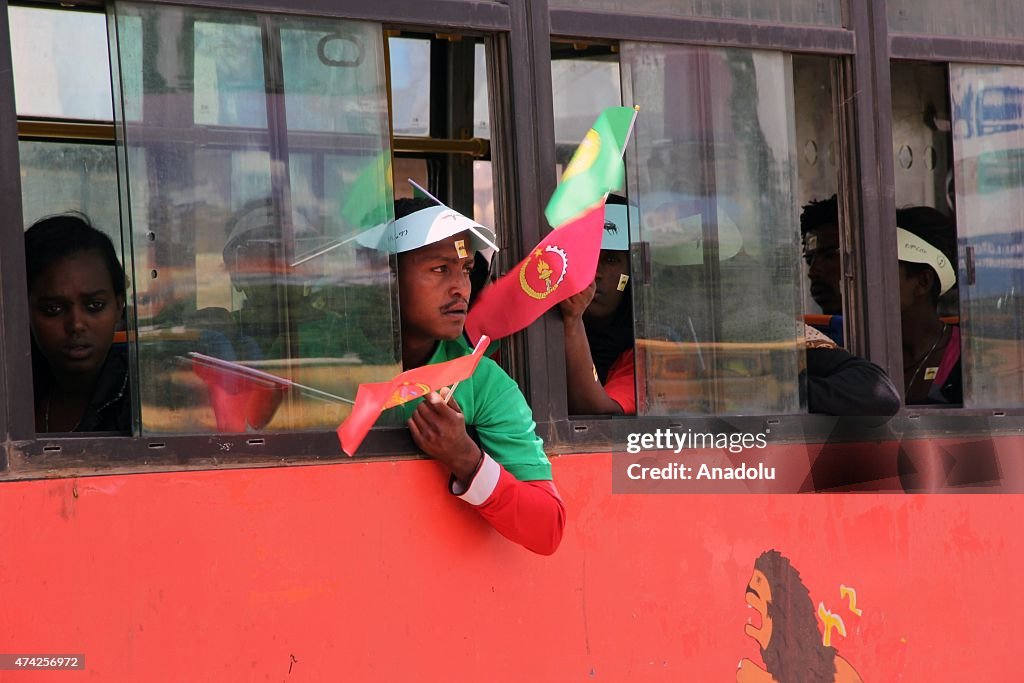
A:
926, 249
819, 235
504, 472
599, 335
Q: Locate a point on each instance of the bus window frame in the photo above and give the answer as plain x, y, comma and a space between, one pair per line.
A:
591, 433
864, 202
519, 35
29, 455
942, 50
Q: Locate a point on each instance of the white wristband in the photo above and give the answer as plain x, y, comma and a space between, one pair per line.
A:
483, 484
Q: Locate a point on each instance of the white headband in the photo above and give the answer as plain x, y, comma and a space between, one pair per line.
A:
913, 249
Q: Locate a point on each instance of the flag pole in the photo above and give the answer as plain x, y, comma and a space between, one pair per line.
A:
629, 133
484, 339
420, 188
246, 371
330, 246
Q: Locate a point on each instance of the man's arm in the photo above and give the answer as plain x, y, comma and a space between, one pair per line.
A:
586, 396
530, 513
839, 383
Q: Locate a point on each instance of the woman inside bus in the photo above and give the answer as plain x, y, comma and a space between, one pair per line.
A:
76, 292
931, 347
599, 328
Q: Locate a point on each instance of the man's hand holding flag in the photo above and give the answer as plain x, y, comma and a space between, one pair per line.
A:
373, 398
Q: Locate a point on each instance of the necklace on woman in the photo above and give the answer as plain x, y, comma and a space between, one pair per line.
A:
921, 363
46, 418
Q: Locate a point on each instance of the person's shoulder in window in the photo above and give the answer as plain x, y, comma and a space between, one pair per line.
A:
840, 383
76, 292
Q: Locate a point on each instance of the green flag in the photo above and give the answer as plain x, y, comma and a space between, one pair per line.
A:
596, 167
369, 201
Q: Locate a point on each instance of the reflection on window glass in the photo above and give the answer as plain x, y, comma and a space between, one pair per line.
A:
711, 170
814, 12
483, 193
229, 85
324, 91
60, 61
481, 98
483, 177
926, 235
988, 145
979, 19
410, 85
920, 134
581, 86
61, 176
255, 250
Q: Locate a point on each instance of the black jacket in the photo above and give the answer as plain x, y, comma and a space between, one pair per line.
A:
110, 408
839, 383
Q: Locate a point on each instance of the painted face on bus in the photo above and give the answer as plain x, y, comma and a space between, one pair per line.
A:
821, 253
612, 268
74, 311
434, 288
758, 595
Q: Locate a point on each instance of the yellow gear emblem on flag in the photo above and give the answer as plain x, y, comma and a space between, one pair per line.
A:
405, 393
585, 156
543, 271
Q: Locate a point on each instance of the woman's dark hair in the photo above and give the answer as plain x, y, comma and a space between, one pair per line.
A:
935, 228
55, 237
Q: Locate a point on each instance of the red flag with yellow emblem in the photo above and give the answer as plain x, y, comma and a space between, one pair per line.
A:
372, 398
563, 264
565, 261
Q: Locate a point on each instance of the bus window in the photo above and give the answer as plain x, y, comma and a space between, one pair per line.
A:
259, 170
926, 235
442, 133
73, 85
61, 176
410, 86
61, 69
988, 146
483, 174
713, 337
69, 166
584, 80
598, 322
813, 12
712, 173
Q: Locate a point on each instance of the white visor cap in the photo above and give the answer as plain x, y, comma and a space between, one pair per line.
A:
913, 249
434, 224
621, 216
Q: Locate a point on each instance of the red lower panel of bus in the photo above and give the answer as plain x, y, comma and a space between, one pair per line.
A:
371, 572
